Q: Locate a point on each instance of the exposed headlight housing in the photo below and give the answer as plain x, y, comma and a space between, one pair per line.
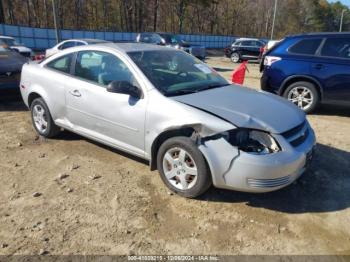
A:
252, 141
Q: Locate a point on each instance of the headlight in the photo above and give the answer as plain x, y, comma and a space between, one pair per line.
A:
252, 141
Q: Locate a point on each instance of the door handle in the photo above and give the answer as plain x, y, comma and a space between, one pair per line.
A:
75, 93
318, 66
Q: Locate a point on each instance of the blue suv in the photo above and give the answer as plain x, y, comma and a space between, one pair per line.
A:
308, 69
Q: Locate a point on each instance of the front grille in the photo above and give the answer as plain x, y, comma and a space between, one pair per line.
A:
297, 135
275, 182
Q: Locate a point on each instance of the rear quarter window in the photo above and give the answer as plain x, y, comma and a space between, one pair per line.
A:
305, 46
61, 64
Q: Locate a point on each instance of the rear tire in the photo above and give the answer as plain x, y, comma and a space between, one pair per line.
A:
235, 57
183, 168
42, 120
304, 95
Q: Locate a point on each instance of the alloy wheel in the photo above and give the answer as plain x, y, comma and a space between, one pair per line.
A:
40, 118
235, 57
179, 168
301, 96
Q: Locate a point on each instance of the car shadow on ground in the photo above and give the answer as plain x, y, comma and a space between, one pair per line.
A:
70, 136
12, 103
333, 110
325, 187
220, 69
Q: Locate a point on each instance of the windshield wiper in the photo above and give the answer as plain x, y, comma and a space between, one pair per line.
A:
182, 92
212, 86
191, 91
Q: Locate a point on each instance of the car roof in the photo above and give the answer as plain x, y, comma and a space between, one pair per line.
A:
247, 39
7, 37
130, 47
122, 47
88, 40
323, 34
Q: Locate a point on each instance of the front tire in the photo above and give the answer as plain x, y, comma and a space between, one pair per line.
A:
42, 120
235, 57
304, 95
182, 167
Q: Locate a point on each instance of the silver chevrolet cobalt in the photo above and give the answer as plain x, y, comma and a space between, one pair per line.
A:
166, 106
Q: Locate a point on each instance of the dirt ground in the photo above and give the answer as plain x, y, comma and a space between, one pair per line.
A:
70, 195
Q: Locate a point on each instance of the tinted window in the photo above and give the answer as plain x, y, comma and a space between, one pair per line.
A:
67, 45
306, 46
336, 47
248, 43
62, 63
171, 39
245, 43
79, 43
102, 68
150, 38
259, 44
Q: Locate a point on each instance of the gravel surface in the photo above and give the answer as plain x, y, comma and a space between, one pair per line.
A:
70, 195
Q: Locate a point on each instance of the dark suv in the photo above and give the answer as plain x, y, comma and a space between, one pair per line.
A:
309, 69
245, 49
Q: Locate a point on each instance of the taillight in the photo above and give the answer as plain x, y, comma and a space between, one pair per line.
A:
38, 57
269, 60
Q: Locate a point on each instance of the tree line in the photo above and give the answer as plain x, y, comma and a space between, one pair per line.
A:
221, 17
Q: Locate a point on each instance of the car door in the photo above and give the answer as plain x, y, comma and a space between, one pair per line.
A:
249, 49
113, 118
332, 69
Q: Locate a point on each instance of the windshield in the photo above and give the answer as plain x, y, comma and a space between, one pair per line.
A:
171, 39
9, 41
176, 73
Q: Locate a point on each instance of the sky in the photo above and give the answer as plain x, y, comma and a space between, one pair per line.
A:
344, 2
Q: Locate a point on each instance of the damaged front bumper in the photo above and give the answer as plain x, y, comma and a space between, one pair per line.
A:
234, 169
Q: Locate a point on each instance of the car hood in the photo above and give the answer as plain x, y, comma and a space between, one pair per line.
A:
11, 61
244, 107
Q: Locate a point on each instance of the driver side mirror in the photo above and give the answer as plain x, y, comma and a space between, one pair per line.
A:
124, 87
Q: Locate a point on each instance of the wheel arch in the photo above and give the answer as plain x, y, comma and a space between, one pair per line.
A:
158, 141
297, 78
32, 96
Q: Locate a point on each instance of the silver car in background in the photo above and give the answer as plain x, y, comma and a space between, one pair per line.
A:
72, 43
168, 107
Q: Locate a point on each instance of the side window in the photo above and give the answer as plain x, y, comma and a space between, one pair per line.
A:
62, 63
67, 45
145, 38
155, 39
79, 43
336, 47
305, 47
102, 68
258, 43
248, 43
